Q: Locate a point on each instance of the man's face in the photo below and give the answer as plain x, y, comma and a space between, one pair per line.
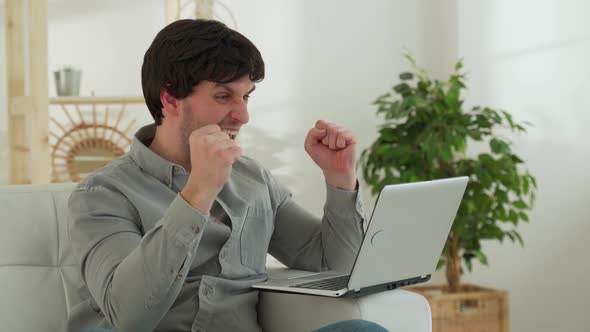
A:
224, 104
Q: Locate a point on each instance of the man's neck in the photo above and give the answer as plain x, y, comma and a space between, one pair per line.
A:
169, 147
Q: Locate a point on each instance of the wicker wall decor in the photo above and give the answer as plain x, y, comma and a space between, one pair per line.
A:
83, 145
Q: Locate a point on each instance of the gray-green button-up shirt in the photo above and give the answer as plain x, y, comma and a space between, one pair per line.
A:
151, 262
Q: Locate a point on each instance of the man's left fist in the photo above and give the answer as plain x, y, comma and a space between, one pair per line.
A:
332, 148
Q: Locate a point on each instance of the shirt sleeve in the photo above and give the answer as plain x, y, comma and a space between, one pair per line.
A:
304, 241
134, 278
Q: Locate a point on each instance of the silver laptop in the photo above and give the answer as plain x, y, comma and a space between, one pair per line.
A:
402, 245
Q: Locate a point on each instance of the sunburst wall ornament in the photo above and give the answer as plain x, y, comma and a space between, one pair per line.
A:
84, 145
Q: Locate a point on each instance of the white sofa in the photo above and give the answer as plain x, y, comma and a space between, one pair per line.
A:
39, 278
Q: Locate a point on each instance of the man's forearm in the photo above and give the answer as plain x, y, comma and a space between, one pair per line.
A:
342, 228
132, 300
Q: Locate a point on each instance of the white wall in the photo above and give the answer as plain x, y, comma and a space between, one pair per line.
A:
106, 40
531, 58
330, 60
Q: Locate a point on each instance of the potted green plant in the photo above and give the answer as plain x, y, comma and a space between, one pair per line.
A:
426, 134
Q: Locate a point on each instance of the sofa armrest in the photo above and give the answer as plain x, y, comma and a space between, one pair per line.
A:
396, 310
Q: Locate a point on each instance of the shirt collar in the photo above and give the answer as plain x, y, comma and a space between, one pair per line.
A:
148, 160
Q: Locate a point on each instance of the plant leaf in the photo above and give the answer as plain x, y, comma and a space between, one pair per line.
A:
441, 263
517, 235
481, 257
406, 76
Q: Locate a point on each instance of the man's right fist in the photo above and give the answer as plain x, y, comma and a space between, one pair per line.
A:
213, 153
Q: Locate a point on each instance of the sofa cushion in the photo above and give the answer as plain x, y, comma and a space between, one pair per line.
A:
39, 277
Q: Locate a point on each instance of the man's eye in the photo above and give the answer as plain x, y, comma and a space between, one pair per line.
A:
222, 98
246, 97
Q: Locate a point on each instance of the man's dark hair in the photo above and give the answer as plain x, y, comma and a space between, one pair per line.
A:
188, 51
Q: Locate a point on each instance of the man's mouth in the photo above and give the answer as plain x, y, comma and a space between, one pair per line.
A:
232, 133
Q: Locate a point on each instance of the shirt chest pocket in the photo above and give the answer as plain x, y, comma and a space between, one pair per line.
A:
255, 237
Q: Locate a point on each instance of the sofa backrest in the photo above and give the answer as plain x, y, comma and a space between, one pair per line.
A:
39, 277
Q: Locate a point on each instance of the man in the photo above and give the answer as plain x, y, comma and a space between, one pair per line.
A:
171, 236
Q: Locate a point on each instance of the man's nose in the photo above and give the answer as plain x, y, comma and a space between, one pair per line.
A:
240, 112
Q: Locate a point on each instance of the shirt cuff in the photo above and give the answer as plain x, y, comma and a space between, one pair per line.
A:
344, 202
183, 222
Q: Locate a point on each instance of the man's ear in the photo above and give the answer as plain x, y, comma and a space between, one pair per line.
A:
170, 104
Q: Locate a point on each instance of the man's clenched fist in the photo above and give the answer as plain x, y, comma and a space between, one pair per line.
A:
213, 153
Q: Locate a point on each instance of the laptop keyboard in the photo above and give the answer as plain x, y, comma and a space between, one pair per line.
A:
335, 283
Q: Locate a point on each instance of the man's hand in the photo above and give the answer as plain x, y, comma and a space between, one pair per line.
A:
212, 156
332, 148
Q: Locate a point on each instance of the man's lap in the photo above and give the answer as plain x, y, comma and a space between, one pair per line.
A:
355, 325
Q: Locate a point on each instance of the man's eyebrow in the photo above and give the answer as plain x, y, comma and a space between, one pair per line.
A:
225, 86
